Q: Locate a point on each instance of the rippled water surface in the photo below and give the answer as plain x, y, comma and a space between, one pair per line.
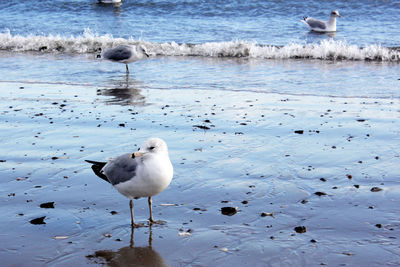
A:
266, 22
295, 131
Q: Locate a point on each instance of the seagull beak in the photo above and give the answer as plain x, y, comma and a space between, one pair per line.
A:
137, 154
339, 16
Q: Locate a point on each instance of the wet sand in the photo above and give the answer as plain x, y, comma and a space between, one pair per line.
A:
302, 173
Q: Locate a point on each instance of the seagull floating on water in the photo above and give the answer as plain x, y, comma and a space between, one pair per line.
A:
144, 173
322, 26
125, 54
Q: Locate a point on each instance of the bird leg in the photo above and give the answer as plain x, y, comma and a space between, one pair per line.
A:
151, 220
127, 68
133, 224
151, 210
132, 219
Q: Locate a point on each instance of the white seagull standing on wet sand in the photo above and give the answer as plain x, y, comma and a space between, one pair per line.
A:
144, 173
125, 54
322, 26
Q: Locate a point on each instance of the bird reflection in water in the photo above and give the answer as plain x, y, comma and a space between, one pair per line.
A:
131, 255
124, 93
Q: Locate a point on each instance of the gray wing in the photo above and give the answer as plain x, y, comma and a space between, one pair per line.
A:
120, 169
314, 23
118, 53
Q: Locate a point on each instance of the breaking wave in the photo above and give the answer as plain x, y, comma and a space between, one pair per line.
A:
89, 42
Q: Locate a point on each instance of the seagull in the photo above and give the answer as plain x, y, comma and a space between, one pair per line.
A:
144, 173
322, 26
126, 54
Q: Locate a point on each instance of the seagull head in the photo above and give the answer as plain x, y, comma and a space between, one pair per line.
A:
151, 146
335, 13
143, 50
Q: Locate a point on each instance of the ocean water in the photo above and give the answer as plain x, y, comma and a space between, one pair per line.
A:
279, 108
196, 22
219, 40
262, 45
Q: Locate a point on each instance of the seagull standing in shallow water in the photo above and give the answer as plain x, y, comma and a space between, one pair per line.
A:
144, 173
125, 54
322, 26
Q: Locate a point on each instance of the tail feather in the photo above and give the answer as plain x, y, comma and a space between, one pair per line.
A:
97, 167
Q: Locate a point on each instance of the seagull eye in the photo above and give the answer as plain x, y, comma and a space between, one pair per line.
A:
152, 147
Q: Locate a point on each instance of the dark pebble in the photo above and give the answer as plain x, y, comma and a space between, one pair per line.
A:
313, 241
300, 229
356, 186
299, 131
376, 189
113, 212
378, 225
265, 214
39, 220
229, 211
349, 176
47, 205
202, 127
320, 193
245, 202
323, 179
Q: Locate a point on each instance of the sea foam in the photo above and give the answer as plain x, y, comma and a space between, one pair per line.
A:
89, 42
